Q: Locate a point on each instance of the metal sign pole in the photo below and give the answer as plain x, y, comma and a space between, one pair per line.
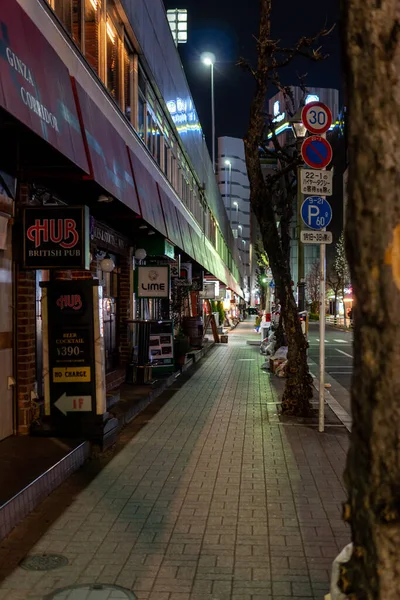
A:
317, 153
321, 415
322, 293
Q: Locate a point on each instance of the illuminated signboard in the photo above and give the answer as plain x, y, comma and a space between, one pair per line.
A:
183, 114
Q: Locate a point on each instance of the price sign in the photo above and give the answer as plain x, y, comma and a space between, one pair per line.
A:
316, 182
316, 117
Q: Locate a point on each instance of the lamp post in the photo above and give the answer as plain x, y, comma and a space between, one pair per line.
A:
229, 165
237, 214
299, 132
208, 58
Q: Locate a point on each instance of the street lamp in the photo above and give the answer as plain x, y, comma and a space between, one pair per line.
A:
229, 165
237, 212
298, 127
299, 132
208, 59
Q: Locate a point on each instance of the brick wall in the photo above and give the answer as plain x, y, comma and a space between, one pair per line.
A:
125, 299
26, 348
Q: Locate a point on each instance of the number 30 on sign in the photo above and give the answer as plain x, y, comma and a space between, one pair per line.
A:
316, 117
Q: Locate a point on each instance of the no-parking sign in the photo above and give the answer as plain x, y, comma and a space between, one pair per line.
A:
316, 117
316, 152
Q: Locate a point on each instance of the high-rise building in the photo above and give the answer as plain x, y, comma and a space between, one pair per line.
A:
235, 191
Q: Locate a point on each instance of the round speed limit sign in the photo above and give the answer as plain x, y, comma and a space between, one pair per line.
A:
316, 117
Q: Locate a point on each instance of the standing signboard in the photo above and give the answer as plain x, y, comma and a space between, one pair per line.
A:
56, 237
73, 354
161, 346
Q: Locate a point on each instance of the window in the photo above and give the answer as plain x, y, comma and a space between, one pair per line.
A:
70, 14
92, 20
113, 62
141, 117
128, 80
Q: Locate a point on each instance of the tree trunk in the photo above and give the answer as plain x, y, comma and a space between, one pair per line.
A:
298, 390
372, 62
344, 311
280, 332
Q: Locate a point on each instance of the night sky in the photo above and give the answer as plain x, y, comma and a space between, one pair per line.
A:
227, 28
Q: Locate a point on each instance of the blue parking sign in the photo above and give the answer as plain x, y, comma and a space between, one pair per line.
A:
316, 212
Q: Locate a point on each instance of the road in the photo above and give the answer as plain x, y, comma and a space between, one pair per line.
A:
338, 354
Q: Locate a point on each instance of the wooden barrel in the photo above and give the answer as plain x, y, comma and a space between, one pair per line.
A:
193, 327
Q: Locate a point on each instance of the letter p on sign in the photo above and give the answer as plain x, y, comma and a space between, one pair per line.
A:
313, 211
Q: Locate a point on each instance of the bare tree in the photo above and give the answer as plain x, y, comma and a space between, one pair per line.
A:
334, 281
271, 57
341, 267
312, 286
371, 44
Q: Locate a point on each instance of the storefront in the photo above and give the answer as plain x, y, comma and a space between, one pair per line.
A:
6, 317
112, 265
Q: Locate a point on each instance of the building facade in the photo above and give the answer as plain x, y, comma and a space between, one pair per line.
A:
95, 112
235, 190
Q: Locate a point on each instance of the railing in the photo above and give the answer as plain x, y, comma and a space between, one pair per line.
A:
339, 321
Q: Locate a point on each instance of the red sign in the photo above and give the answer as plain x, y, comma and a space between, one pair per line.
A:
73, 301
56, 237
316, 117
57, 231
316, 152
35, 86
108, 152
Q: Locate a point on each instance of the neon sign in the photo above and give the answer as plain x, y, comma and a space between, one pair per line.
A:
183, 114
278, 116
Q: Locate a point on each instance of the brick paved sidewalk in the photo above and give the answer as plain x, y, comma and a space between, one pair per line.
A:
212, 499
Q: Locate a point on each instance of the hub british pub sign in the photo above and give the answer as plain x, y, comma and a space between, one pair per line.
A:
56, 237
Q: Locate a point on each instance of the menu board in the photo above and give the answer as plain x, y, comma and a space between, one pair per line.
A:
161, 346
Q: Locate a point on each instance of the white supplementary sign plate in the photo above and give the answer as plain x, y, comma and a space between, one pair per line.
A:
318, 182
316, 237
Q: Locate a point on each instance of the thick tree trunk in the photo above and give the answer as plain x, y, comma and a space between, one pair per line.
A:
372, 62
298, 390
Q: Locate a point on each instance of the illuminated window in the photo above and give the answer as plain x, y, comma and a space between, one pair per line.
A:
70, 14
92, 22
128, 80
113, 62
141, 117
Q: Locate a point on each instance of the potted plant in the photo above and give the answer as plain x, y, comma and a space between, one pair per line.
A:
181, 346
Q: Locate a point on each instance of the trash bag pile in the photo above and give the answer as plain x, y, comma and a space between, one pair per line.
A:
343, 557
267, 346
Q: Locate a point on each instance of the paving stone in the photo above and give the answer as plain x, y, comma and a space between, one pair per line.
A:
214, 499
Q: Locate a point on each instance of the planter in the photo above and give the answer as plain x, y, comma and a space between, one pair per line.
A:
181, 348
193, 328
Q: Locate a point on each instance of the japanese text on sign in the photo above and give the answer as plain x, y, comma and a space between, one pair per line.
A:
316, 237
316, 182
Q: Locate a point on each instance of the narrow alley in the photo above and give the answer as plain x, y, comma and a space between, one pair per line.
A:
214, 497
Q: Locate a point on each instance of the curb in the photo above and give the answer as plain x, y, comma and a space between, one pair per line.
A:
336, 408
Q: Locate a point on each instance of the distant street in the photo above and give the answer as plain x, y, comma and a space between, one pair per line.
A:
338, 354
